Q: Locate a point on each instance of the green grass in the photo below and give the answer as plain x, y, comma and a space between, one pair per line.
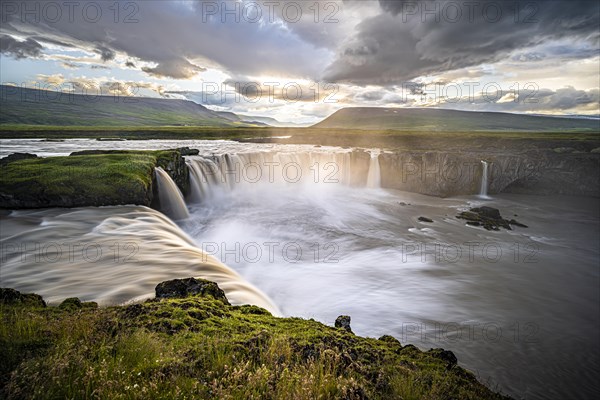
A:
201, 348
123, 177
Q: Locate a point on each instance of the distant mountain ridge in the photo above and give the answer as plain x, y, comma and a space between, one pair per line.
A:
433, 119
41, 107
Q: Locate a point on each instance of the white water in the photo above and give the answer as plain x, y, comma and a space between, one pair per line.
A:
483, 191
526, 320
108, 254
374, 176
171, 199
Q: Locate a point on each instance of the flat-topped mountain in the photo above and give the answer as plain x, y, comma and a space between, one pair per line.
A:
432, 119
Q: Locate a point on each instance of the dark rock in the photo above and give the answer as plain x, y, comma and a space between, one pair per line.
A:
10, 296
343, 321
390, 339
186, 151
181, 288
487, 217
70, 304
16, 157
402, 203
425, 219
134, 310
516, 223
488, 212
445, 355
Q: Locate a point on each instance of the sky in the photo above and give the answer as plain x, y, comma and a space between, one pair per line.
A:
300, 61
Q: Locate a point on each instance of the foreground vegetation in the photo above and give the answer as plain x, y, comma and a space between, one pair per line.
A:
200, 347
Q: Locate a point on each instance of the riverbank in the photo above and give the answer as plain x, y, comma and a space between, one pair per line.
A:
199, 346
87, 178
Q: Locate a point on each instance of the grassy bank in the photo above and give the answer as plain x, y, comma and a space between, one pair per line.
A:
202, 348
82, 180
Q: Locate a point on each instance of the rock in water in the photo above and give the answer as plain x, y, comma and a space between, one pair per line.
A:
488, 212
425, 219
343, 321
489, 218
180, 288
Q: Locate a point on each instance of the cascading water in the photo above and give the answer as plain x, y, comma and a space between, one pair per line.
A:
281, 169
171, 199
110, 255
484, 181
374, 176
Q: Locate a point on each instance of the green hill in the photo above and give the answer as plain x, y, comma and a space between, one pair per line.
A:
23, 106
430, 119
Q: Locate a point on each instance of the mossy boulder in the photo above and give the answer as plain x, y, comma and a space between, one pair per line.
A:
70, 304
181, 288
13, 297
343, 321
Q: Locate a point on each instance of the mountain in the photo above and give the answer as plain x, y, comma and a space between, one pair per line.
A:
42, 107
270, 121
432, 119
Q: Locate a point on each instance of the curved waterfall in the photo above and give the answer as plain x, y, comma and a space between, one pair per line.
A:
109, 255
293, 170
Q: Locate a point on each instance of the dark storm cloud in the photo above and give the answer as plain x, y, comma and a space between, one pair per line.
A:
106, 54
28, 48
410, 39
176, 36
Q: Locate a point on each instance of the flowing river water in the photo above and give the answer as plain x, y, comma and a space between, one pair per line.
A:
519, 308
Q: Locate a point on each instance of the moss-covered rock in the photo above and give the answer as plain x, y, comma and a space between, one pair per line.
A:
13, 297
88, 178
181, 288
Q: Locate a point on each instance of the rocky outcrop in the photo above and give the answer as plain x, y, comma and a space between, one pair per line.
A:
13, 297
88, 178
343, 322
489, 218
181, 288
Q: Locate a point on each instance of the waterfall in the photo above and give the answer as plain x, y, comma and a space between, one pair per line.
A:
374, 176
110, 255
295, 171
171, 199
484, 181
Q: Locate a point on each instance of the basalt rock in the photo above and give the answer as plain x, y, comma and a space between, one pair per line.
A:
343, 321
181, 288
10, 296
425, 219
488, 217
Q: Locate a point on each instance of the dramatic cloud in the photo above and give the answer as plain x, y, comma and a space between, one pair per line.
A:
14, 48
276, 57
106, 54
411, 39
177, 69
